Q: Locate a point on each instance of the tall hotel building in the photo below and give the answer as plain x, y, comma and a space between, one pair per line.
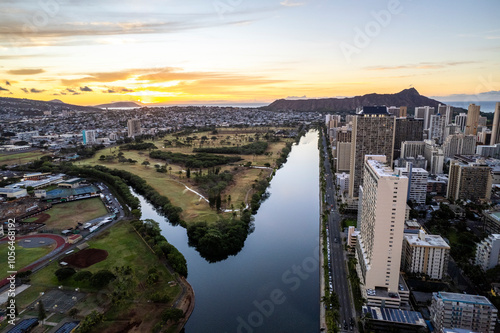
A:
472, 119
134, 127
382, 210
407, 129
495, 132
372, 134
425, 113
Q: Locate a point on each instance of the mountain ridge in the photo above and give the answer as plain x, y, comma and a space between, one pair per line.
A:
407, 97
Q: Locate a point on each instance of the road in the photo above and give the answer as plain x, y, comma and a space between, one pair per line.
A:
338, 257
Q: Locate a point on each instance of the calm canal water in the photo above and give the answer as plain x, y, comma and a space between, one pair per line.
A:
272, 285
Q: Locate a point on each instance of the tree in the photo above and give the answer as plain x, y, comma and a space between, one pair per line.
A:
41, 311
101, 278
82, 276
64, 273
188, 173
136, 213
102, 158
146, 163
218, 202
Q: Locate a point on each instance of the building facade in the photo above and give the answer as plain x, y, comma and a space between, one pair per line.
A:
381, 225
472, 119
134, 128
407, 129
425, 254
488, 252
372, 134
471, 312
89, 137
459, 144
417, 177
469, 181
495, 131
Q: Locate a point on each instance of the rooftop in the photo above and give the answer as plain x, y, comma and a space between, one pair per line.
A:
430, 241
395, 315
464, 298
382, 110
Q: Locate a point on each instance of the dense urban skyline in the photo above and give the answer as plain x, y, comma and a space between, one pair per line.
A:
241, 51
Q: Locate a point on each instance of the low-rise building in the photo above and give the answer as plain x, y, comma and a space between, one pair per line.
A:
13, 192
425, 254
472, 312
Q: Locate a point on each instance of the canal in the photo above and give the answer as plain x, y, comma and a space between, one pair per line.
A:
272, 285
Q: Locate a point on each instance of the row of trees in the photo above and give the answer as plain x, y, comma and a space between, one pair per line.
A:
197, 161
151, 232
257, 148
139, 146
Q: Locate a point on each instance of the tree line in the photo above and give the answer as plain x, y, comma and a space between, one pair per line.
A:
257, 148
197, 161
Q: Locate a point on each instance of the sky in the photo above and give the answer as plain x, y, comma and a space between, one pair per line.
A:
246, 51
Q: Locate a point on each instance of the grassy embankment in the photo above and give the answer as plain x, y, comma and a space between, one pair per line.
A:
20, 158
125, 248
66, 215
172, 184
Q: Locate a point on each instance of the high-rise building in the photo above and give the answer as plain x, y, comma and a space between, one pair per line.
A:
417, 179
495, 131
471, 312
459, 144
425, 113
89, 137
483, 135
425, 254
134, 127
407, 129
469, 181
343, 181
412, 149
434, 156
343, 149
489, 151
461, 121
450, 130
488, 252
472, 119
398, 112
447, 112
382, 218
436, 128
372, 134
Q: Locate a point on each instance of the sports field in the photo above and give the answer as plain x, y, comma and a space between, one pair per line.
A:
20, 158
67, 215
24, 256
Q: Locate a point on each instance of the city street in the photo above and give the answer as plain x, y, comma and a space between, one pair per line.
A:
339, 258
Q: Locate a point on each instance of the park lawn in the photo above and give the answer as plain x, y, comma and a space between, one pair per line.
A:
125, 248
24, 256
20, 158
241, 190
66, 215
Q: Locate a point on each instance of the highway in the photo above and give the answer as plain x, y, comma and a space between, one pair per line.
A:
338, 257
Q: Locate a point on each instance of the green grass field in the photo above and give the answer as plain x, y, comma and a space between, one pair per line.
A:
125, 248
68, 214
24, 256
172, 184
20, 158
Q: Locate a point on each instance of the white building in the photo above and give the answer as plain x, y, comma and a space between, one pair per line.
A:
425, 113
89, 137
471, 312
343, 182
461, 121
426, 254
434, 156
487, 252
459, 144
134, 127
489, 151
436, 128
447, 112
26, 136
381, 225
417, 188
412, 149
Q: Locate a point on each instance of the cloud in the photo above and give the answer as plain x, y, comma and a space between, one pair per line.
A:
3, 89
290, 3
422, 65
7, 83
77, 93
25, 90
70, 90
26, 71
36, 91
126, 90
493, 96
85, 89
110, 91
296, 97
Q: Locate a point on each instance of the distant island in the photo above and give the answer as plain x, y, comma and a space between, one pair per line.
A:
119, 105
408, 97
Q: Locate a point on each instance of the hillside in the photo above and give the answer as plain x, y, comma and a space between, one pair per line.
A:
408, 97
31, 106
119, 105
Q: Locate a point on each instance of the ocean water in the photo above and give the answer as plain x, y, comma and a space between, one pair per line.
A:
485, 106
